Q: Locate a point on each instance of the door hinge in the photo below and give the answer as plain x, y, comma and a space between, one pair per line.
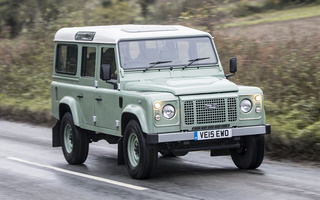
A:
94, 119
117, 123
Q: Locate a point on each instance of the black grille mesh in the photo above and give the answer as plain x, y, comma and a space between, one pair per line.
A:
210, 111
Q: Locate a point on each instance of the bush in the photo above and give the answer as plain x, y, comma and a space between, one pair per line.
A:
245, 9
289, 74
249, 8
284, 3
25, 69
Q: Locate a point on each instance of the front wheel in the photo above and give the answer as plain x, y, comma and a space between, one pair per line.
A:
251, 153
140, 157
75, 144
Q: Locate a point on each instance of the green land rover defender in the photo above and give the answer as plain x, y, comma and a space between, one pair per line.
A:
151, 89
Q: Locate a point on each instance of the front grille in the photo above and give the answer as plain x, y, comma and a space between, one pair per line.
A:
210, 111
215, 115
189, 114
232, 109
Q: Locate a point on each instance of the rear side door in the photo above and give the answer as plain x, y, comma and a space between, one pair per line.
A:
86, 91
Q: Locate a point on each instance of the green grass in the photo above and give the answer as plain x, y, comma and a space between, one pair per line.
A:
36, 111
32, 105
275, 16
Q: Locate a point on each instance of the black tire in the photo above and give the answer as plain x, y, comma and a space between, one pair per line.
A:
75, 143
140, 158
250, 155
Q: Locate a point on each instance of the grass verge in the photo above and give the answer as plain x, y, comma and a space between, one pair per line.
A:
275, 16
36, 111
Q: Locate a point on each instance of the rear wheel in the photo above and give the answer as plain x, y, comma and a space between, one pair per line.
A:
140, 157
251, 153
75, 143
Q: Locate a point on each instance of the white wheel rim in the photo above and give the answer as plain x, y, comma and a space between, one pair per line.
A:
133, 149
68, 144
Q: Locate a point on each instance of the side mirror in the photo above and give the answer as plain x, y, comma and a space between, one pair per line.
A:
105, 73
233, 67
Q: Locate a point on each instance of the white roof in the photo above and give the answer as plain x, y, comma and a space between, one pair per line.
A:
113, 34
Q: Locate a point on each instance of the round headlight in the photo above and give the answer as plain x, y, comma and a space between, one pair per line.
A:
168, 111
245, 105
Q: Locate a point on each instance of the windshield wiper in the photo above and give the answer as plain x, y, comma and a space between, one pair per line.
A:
194, 60
153, 64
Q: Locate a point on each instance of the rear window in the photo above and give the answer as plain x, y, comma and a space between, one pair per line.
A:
67, 57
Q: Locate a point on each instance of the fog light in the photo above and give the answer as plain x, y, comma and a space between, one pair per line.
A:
258, 110
157, 117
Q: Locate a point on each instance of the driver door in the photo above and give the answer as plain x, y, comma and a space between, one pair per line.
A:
107, 108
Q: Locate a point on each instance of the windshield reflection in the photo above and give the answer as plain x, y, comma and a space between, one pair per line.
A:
179, 51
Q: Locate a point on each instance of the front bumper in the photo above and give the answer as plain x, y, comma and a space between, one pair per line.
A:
185, 136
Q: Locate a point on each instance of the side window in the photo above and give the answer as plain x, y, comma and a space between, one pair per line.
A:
67, 56
108, 57
88, 61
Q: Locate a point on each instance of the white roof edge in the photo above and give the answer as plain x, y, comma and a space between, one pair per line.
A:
114, 33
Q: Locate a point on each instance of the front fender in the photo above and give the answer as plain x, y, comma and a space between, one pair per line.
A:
141, 114
75, 109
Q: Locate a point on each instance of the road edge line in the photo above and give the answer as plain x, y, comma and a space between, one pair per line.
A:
80, 174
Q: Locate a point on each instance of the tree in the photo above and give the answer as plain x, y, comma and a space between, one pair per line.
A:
202, 15
116, 12
144, 7
21, 15
10, 15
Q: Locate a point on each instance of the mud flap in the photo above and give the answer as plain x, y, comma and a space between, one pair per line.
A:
56, 142
120, 152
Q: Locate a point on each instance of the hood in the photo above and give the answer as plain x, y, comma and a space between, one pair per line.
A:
184, 86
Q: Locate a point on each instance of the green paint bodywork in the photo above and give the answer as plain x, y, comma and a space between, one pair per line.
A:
139, 90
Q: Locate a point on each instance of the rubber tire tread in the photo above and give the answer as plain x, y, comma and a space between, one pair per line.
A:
148, 153
80, 139
254, 154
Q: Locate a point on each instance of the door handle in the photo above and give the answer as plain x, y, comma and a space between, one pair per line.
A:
80, 96
98, 99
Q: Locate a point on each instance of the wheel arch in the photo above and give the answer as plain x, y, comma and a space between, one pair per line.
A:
69, 104
137, 113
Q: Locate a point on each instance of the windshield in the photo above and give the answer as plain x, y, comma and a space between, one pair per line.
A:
144, 54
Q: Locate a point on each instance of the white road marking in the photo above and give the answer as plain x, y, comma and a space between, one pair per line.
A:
80, 174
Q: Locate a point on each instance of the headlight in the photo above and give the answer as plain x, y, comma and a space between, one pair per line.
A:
245, 105
168, 111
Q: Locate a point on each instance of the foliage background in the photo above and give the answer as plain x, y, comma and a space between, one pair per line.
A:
287, 69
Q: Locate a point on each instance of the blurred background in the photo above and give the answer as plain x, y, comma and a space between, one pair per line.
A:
277, 43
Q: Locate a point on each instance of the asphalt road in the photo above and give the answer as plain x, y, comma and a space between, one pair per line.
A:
31, 169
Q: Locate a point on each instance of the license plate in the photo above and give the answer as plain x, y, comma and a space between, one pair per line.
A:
212, 134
